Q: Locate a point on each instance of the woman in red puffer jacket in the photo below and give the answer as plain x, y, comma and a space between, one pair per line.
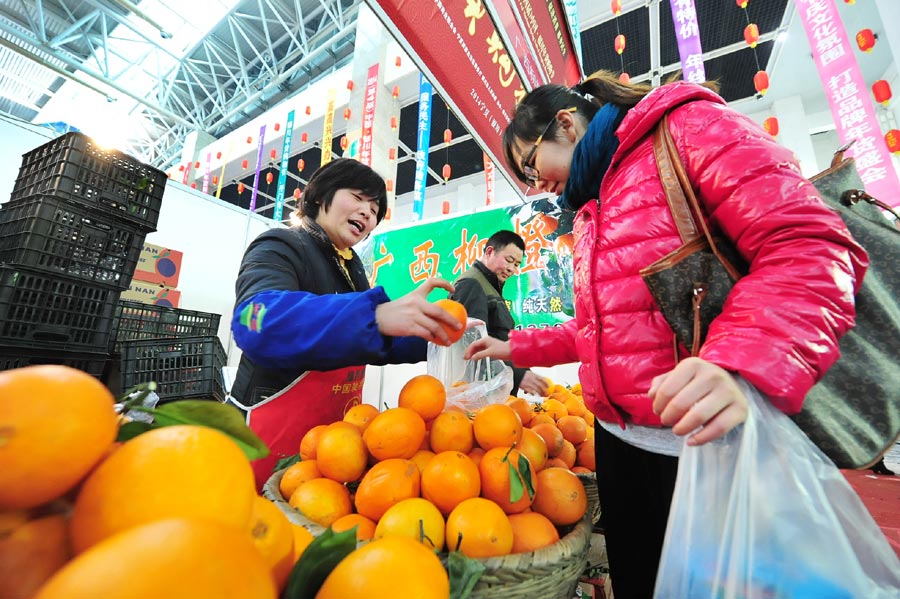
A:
779, 331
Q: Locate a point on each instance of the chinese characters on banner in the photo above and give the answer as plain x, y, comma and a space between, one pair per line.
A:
488, 180
687, 33
259, 158
283, 168
848, 96
207, 173
368, 117
328, 128
527, 65
423, 137
546, 27
541, 295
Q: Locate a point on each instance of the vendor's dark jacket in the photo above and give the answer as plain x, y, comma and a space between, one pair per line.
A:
480, 291
297, 309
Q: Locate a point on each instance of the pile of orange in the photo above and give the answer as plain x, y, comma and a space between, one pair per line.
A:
446, 478
73, 501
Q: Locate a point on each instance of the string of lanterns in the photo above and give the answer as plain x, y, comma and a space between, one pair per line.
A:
881, 89
619, 42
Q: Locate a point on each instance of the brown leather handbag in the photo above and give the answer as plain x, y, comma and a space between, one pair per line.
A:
853, 413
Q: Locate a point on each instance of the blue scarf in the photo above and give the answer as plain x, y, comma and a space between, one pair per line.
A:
591, 158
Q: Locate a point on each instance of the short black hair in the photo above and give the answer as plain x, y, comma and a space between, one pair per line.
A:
501, 239
342, 173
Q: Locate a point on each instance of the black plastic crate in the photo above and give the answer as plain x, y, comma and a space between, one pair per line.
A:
182, 368
74, 167
135, 320
51, 234
18, 357
54, 312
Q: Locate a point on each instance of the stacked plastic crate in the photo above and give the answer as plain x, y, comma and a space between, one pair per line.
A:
177, 348
70, 237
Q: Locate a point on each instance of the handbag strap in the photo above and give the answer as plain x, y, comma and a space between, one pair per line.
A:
680, 194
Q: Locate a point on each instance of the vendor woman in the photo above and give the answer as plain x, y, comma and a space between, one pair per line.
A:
307, 320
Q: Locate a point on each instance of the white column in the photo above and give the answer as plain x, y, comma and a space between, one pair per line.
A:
794, 132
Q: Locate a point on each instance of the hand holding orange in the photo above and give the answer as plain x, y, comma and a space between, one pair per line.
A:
459, 312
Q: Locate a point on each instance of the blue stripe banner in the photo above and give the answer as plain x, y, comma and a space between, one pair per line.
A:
283, 168
259, 159
424, 135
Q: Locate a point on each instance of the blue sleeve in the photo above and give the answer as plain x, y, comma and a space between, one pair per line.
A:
306, 331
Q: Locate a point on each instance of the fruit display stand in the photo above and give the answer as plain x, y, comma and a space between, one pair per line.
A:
551, 572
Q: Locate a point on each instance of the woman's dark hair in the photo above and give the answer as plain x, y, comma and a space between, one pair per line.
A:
342, 173
540, 107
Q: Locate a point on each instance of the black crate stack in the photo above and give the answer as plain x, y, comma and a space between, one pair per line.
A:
179, 349
70, 238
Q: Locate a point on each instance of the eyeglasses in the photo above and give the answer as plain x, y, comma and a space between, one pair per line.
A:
532, 175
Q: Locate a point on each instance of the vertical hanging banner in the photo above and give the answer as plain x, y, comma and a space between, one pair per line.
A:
327, 128
187, 172
687, 34
488, 180
423, 137
545, 25
368, 116
259, 158
522, 51
848, 97
206, 174
222, 170
283, 167
571, 8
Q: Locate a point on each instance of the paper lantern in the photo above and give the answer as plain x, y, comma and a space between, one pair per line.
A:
445, 207
396, 92
193, 186
277, 126
215, 179
865, 39
445, 172
304, 137
448, 136
244, 163
297, 194
350, 84
249, 140
396, 61
197, 164
616, 6
240, 188
393, 122
344, 142
849, 1
625, 78
761, 82
881, 89
301, 164
742, 3
218, 155
620, 43
273, 153
892, 139
181, 168
771, 125
389, 185
387, 214
751, 35
269, 178
347, 114
308, 109
392, 153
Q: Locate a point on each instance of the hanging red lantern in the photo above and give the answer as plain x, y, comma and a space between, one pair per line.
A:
304, 137
297, 194
240, 188
218, 155
277, 126
308, 109
761, 82
742, 3
392, 153
865, 39
249, 140
269, 178
215, 179
244, 163
181, 168
396, 92
881, 89
301, 164
193, 186
344, 142
620, 43
396, 61
625, 78
849, 1
350, 84
389, 185
445, 207
751, 35
393, 122
448, 136
616, 6
347, 114
892, 139
445, 172
771, 125
273, 153
197, 164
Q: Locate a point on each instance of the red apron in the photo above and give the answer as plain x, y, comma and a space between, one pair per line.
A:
314, 398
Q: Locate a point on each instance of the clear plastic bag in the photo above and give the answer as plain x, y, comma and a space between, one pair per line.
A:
486, 381
763, 513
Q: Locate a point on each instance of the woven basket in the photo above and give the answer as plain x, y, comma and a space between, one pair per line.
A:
548, 573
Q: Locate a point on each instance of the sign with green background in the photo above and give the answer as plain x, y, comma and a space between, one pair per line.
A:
541, 295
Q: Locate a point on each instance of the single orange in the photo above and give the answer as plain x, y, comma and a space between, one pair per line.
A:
56, 423
424, 395
567, 454
415, 518
302, 539
541, 418
452, 431
365, 528
554, 408
533, 447
395, 433
475, 455
340, 453
361, 415
449, 478
552, 437
385, 484
586, 456
523, 408
322, 500
478, 528
271, 532
33, 551
459, 312
309, 442
497, 468
560, 496
532, 531
573, 429
497, 425
296, 475
421, 459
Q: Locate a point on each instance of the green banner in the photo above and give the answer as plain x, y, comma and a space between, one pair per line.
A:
540, 296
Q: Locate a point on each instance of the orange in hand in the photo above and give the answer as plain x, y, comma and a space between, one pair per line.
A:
457, 310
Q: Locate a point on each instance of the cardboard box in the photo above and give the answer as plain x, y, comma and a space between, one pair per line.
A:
151, 293
159, 265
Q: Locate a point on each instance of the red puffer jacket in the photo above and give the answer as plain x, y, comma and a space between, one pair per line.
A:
781, 324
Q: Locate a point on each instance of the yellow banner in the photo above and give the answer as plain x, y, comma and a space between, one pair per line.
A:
327, 129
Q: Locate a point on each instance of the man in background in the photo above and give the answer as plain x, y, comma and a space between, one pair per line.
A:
480, 290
